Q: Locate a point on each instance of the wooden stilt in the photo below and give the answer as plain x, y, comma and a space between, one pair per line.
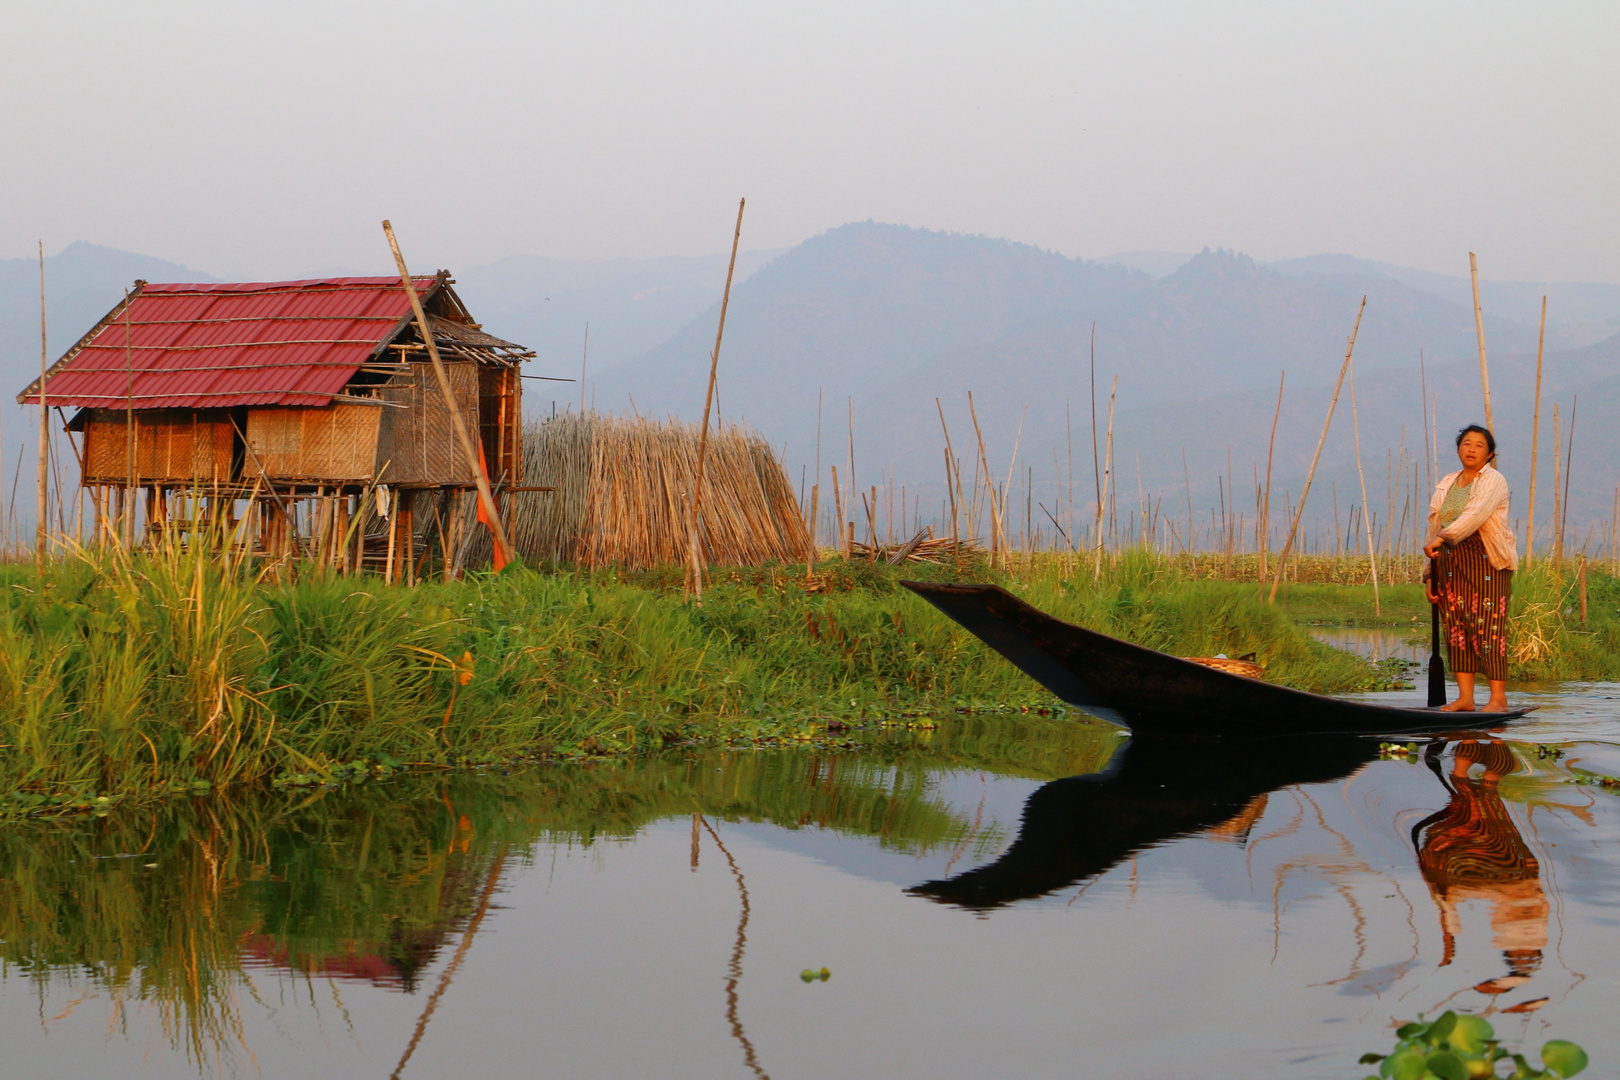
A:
407, 535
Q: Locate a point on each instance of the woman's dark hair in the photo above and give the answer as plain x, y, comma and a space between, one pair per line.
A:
1490, 440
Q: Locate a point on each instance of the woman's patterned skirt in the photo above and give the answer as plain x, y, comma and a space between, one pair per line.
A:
1474, 607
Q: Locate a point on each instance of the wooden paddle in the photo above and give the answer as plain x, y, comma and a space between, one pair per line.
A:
1437, 667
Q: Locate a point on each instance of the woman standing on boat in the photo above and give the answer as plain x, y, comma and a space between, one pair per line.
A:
1471, 575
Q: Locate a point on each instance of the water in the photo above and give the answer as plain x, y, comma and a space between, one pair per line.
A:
1027, 899
1411, 645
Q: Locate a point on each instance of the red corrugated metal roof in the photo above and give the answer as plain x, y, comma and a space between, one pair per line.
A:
212, 346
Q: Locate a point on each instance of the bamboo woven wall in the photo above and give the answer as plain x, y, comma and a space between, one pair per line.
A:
334, 442
417, 443
170, 445
623, 495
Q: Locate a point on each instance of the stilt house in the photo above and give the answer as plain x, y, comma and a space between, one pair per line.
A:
293, 399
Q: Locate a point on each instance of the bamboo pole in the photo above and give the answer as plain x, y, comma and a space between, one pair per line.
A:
42, 530
838, 511
815, 520
1535, 443
1299, 510
460, 428
1569, 461
127, 519
984, 464
1479, 330
1558, 461
951, 473
848, 550
815, 507
1107, 476
585, 352
1096, 467
1271, 450
1372, 554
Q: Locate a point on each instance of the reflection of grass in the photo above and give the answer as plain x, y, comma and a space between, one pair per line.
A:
369, 881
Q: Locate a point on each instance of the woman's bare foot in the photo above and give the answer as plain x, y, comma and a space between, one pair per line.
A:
1460, 705
1497, 705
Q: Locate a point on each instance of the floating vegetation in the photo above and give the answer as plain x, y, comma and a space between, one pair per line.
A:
1461, 1046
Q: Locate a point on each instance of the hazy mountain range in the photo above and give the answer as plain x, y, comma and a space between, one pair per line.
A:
890, 318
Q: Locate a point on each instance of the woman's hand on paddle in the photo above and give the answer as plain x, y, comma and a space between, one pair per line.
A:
1428, 587
1432, 548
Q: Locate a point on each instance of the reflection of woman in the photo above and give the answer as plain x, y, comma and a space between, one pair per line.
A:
1471, 577
1471, 850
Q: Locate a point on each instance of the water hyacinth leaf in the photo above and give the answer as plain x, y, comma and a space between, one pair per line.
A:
1447, 1065
1370, 1059
1408, 1064
1440, 1030
1470, 1034
1563, 1057
1411, 1030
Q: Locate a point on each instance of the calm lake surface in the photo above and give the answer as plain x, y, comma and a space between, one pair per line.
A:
1036, 898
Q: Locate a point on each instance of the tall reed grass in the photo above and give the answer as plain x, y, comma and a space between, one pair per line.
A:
173, 669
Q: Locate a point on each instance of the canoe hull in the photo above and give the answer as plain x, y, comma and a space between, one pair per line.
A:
1150, 692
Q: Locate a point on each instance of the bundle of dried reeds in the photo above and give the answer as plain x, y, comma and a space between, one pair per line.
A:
921, 548
623, 495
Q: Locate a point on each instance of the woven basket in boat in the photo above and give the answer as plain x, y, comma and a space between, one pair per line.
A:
1231, 667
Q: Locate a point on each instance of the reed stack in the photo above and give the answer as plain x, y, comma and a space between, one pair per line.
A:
623, 490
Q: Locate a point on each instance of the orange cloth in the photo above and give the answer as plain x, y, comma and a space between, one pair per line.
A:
483, 516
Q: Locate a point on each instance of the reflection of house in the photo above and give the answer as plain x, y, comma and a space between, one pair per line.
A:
397, 955
1471, 850
292, 397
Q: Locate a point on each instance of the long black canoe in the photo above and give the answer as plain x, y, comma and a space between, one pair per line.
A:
1152, 693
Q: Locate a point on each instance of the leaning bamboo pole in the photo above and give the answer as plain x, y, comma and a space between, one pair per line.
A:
953, 476
474, 465
695, 585
1271, 450
1535, 443
1569, 455
1366, 519
42, 530
1299, 510
1479, 330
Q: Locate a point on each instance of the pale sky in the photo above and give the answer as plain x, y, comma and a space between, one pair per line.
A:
269, 140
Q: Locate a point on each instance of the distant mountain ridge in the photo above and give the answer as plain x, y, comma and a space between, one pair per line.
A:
889, 318
893, 317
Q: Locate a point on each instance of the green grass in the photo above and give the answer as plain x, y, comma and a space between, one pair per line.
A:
168, 671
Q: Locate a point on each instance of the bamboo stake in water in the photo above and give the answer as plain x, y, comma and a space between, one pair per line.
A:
703, 432
1108, 473
1271, 450
1479, 330
984, 464
1311, 475
1423, 407
1535, 443
950, 474
43, 529
1558, 460
585, 352
128, 522
1096, 468
467, 448
1372, 555
1569, 454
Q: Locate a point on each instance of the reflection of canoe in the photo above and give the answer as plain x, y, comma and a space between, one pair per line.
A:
1157, 694
1153, 790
